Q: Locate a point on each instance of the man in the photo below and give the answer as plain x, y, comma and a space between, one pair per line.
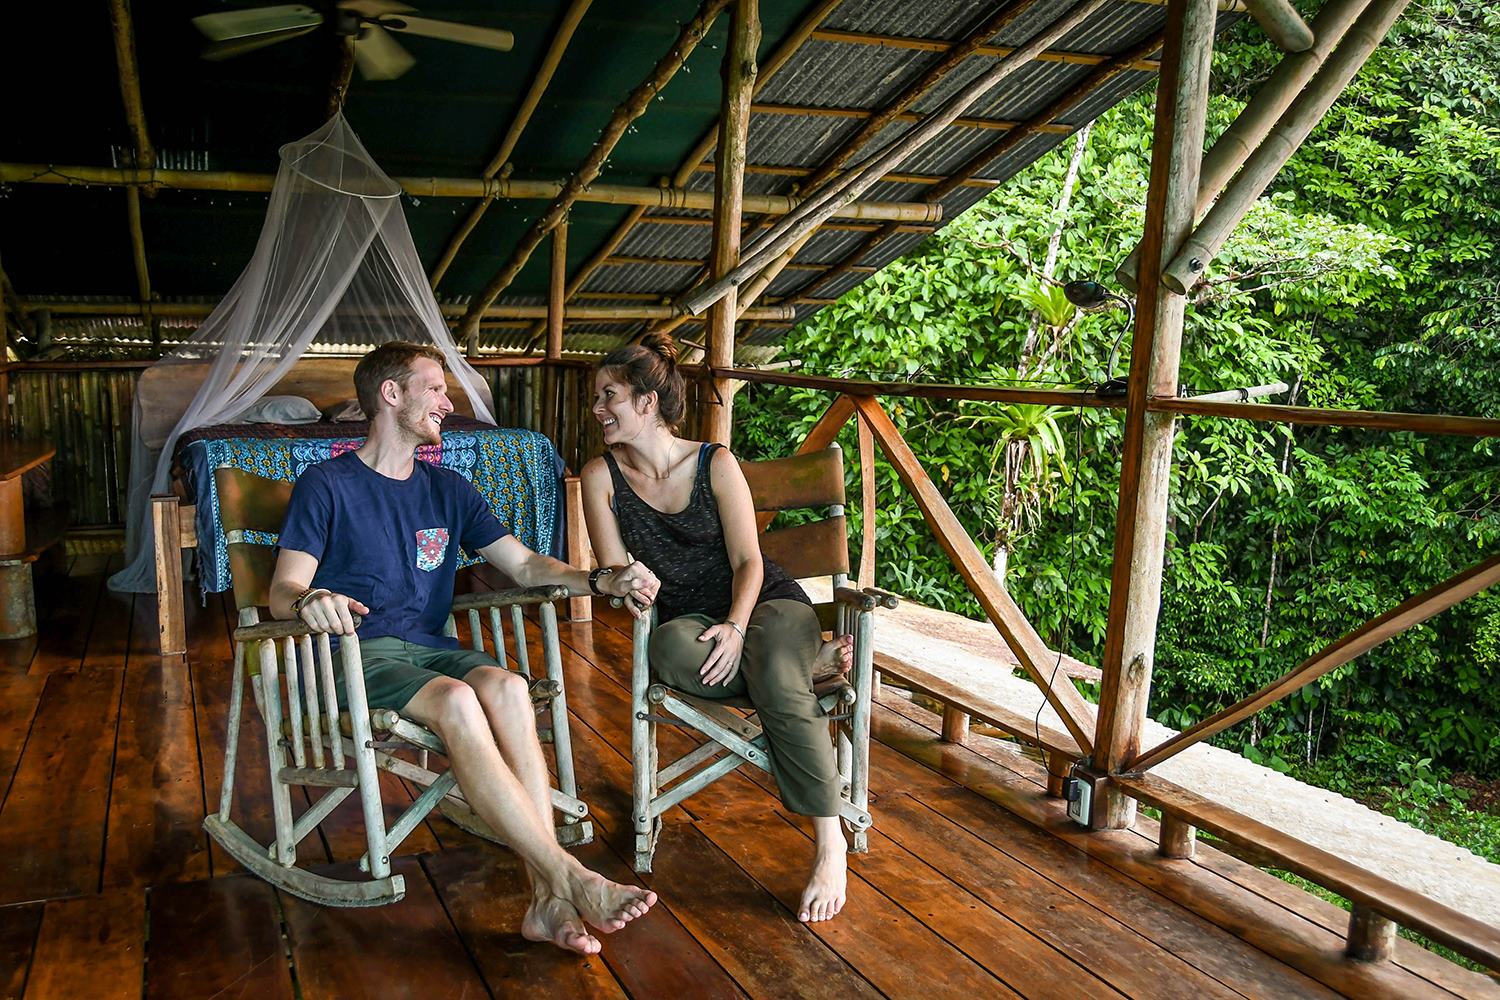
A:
376, 533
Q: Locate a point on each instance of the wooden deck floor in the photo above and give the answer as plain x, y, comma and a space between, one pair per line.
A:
975, 885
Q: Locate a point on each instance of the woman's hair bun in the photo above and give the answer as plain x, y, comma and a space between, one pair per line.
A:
661, 344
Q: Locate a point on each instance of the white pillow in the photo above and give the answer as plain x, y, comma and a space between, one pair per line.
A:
348, 410
281, 410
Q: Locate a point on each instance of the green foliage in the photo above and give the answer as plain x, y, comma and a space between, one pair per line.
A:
1368, 274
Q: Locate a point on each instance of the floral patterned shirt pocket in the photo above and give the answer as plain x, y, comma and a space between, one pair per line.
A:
432, 548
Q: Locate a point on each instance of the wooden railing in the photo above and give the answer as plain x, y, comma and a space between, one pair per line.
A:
1379, 905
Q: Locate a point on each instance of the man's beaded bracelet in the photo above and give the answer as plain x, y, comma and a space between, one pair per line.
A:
303, 597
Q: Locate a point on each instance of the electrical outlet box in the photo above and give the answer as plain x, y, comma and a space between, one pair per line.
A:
1080, 796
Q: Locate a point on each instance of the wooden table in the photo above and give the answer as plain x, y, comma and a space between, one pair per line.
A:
17, 551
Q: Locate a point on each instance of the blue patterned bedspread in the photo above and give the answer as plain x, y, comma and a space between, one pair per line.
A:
517, 471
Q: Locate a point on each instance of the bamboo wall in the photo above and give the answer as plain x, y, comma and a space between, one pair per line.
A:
86, 414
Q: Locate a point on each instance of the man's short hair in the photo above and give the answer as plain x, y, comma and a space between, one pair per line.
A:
392, 360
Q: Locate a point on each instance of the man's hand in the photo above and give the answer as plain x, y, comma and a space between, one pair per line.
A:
637, 584
326, 611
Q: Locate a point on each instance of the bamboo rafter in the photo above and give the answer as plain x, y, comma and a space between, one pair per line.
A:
943, 45
826, 111
123, 31
1097, 78
709, 140
539, 83
632, 108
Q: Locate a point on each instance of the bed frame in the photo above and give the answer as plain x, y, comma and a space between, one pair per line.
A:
327, 382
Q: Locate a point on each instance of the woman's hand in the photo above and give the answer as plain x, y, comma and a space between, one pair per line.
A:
325, 611
724, 662
637, 584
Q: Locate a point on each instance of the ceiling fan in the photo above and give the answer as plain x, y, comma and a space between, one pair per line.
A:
369, 22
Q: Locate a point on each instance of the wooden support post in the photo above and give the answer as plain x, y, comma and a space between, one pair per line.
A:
580, 553
1177, 837
167, 530
716, 400
955, 725
1146, 462
1372, 937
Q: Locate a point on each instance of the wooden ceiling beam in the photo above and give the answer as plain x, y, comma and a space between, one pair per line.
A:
993, 51
539, 83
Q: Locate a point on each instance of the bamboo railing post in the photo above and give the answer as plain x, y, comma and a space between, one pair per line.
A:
1372, 936
955, 725
1262, 166
1177, 838
1249, 128
716, 404
1146, 462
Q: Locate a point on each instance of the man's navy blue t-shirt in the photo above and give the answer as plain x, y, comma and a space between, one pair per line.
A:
391, 544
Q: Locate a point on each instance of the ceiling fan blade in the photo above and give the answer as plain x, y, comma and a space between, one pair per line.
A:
448, 31
231, 24
374, 8
379, 56
218, 51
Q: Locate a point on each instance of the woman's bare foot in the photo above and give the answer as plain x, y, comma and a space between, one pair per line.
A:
824, 896
607, 905
835, 657
549, 918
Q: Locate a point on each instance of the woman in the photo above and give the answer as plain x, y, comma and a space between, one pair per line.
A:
730, 623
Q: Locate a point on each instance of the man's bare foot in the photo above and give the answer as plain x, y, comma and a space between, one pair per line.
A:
824, 896
549, 918
608, 905
835, 657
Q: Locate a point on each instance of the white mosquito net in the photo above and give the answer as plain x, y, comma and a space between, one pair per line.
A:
335, 270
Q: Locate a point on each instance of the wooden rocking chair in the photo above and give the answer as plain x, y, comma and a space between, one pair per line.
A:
815, 549
284, 660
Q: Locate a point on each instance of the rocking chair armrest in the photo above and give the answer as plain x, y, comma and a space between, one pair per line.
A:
885, 598
282, 629
856, 599
513, 596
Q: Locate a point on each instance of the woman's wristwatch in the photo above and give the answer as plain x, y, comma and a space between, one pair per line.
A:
594, 576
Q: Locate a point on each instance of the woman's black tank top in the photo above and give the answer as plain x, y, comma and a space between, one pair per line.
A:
686, 550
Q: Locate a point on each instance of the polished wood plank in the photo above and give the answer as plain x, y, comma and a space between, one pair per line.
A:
218, 938
408, 949
62, 637
20, 695
108, 642
93, 946
52, 823
743, 926
486, 894
18, 927
156, 807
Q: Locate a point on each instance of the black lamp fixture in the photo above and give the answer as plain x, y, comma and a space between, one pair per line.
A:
1090, 296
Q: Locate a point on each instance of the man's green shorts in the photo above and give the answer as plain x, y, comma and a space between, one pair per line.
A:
395, 669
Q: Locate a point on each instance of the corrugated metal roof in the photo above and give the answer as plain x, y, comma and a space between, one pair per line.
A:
233, 114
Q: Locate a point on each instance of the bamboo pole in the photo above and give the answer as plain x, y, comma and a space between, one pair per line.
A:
954, 55
342, 76
138, 257
1146, 462
833, 111
964, 174
1381, 420
1239, 395
1413, 611
539, 83
632, 108
130, 81
1282, 24
455, 187
716, 406
993, 51
1271, 155
923, 390
555, 302
850, 185
573, 313
1260, 115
